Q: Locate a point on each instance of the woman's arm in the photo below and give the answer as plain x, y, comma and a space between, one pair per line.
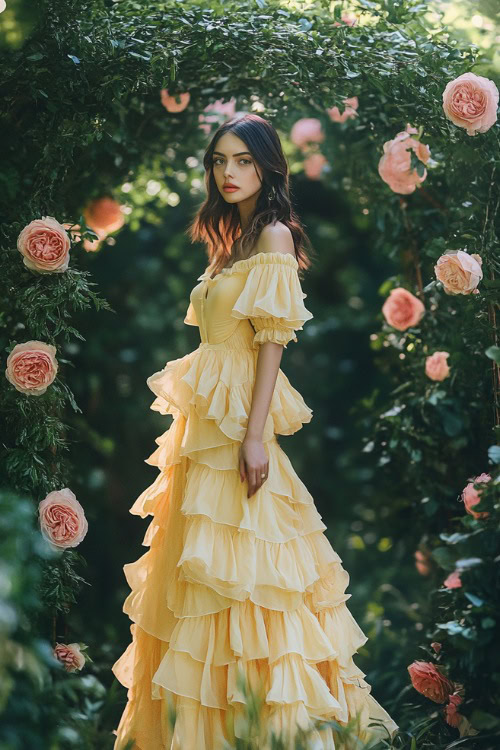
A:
254, 460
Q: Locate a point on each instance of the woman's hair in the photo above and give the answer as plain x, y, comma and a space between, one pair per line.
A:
217, 223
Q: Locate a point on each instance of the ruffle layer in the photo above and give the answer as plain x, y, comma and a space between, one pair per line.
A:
216, 385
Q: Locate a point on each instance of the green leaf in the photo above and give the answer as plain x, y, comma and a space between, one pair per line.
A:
493, 352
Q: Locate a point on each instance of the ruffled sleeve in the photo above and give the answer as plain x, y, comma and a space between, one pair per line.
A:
190, 318
272, 298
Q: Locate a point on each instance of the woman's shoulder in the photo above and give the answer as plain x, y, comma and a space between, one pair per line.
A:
275, 238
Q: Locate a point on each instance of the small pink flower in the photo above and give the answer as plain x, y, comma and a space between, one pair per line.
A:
402, 309
459, 272
436, 366
347, 18
470, 101
104, 215
422, 563
44, 245
471, 496
313, 166
62, 519
306, 130
394, 164
70, 656
218, 108
428, 680
452, 717
351, 106
436, 646
453, 581
32, 367
170, 103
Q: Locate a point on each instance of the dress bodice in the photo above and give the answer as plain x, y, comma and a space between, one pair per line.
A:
259, 298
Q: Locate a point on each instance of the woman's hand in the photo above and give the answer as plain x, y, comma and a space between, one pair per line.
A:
253, 461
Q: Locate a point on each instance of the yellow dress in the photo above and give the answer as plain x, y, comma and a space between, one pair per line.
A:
235, 586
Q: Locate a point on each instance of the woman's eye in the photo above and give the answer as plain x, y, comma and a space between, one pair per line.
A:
219, 158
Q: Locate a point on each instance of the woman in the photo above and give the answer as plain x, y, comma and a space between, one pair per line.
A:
240, 580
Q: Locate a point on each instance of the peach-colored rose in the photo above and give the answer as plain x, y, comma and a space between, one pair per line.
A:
218, 108
452, 717
428, 680
306, 130
103, 215
402, 309
394, 164
70, 655
436, 646
347, 18
73, 231
470, 101
351, 106
62, 519
32, 367
459, 272
471, 496
44, 245
422, 563
313, 166
436, 366
170, 103
453, 581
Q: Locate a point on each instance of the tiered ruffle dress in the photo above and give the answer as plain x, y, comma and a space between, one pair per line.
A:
232, 585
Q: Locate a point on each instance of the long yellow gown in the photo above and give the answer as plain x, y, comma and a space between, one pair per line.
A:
234, 586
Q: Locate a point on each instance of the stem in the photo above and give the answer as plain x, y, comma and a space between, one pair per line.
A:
413, 254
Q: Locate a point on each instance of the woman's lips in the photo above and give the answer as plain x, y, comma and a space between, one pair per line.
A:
230, 189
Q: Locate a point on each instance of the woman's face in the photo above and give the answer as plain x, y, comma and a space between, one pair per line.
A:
233, 163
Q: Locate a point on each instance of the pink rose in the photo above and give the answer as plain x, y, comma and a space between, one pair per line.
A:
170, 103
422, 563
44, 245
348, 18
436, 366
459, 272
453, 581
470, 101
402, 309
428, 680
218, 108
104, 215
436, 646
471, 496
32, 367
70, 656
306, 130
351, 106
394, 165
62, 519
452, 717
313, 166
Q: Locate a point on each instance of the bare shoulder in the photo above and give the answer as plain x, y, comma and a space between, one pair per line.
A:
276, 238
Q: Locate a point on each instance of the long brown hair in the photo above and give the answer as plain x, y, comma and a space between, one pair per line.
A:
217, 223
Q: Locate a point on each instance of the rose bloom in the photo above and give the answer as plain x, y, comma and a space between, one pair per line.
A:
452, 717
394, 165
32, 367
470, 101
436, 646
436, 366
471, 496
459, 272
422, 563
44, 245
347, 18
306, 130
313, 166
104, 215
428, 680
70, 656
218, 108
351, 106
453, 581
402, 309
62, 519
170, 103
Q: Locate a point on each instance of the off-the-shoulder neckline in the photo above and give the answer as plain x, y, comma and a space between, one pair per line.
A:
259, 258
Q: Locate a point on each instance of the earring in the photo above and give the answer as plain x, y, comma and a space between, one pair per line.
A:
271, 195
